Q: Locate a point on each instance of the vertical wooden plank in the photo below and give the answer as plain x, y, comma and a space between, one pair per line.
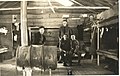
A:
98, 40
92, 57
24, 33
98, 60
24, 36
98, 46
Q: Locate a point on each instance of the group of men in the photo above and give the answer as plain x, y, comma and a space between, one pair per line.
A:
69, 45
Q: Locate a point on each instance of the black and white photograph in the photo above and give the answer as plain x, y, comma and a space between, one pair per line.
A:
59, 37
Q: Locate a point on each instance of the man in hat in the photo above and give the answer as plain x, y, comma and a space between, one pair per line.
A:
39, 38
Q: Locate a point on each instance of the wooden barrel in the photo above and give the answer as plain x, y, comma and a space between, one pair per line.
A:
23, 56
43, 56
36, 55
50, 57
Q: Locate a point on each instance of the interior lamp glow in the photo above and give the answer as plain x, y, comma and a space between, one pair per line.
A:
65, 2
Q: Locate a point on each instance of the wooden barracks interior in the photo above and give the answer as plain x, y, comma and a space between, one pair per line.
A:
59, 37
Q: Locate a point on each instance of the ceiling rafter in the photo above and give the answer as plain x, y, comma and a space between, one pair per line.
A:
86, 3
58, 7
82, 5
79, 5
108, 2
51, 6
77, 2
104, 3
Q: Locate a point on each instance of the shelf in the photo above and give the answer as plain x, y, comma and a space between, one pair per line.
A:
108, 54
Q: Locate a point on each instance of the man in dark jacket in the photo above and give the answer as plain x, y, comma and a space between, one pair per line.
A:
75, 48
37, 51
65, 46
65, 30
39, 38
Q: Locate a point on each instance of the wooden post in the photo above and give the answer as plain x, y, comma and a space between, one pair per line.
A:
24, 33
98, 60
98, 41
50, 71
92, 57
98, 46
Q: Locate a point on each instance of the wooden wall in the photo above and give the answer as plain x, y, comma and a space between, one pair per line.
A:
6, 40
51, 22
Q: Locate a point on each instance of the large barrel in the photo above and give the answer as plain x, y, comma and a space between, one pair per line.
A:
23, 56
37, 56
50, 57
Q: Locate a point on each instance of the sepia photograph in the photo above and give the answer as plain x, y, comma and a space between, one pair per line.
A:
59, 37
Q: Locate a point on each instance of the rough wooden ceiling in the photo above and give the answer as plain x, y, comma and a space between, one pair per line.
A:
44, 3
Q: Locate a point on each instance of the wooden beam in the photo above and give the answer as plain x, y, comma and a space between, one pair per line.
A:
77, 2
86, 3
5, 9
108, 2
24, 33
82, 5
61, 11
98, 38
109, 13
51, 6
103, 3
110, 22
58, 7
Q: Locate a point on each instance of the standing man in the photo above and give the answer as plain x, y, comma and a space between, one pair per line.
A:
65, 30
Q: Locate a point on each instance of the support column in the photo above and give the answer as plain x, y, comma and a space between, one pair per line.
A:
98, 59
98, 46
92, 57
24, 33
98, 39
